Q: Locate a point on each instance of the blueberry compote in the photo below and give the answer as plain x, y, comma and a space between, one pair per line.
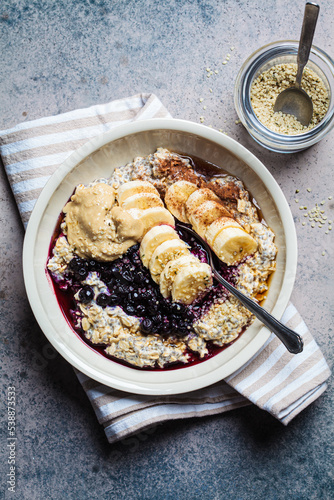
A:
128, 284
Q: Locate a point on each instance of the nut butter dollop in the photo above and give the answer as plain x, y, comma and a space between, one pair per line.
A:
97, 228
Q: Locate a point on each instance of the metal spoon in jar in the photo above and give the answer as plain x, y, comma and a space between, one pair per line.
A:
289, 338
294, 100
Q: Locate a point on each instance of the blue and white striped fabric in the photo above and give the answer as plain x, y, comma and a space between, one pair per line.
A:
274, 380
278, 382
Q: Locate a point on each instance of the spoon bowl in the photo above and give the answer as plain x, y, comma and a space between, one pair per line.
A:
294, 100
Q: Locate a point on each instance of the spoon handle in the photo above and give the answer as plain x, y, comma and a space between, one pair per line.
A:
288, 337
309, 22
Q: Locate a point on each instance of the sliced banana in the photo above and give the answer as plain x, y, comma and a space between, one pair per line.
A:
190, 282
233, 244
142, 201
169, 250
197, 198
176, 196
217, 226
134, 187
152, 217
153, 238
170, 272
206, 213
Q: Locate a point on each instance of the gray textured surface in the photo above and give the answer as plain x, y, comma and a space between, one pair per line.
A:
57, 56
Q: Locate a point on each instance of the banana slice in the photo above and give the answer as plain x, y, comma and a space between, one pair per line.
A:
233, 244
197, 198
170, 272
217, 226
142, 201
176, 196
152, 217
190, 282
169, 250
206, 213
153, 238
134, 187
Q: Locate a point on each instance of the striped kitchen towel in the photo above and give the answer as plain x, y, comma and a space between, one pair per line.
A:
32, 151
275, 380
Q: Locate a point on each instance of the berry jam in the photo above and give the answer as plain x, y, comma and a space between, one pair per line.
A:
130, 286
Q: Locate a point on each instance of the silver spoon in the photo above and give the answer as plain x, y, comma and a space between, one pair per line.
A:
294, 100
289, 338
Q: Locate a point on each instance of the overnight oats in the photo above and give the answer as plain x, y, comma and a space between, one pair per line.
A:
135, 286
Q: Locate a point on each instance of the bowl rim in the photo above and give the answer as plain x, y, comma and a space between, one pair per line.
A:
30, 270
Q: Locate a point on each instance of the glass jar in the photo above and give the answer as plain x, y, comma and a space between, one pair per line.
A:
263, 59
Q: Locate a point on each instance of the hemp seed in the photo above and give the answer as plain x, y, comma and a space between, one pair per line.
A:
272, 82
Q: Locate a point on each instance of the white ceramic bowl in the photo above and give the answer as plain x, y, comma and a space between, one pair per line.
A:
98, 158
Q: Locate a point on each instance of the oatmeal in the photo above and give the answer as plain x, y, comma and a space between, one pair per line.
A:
272, 82
138, 288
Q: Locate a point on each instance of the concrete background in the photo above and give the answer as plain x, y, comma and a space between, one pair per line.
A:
57, 56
